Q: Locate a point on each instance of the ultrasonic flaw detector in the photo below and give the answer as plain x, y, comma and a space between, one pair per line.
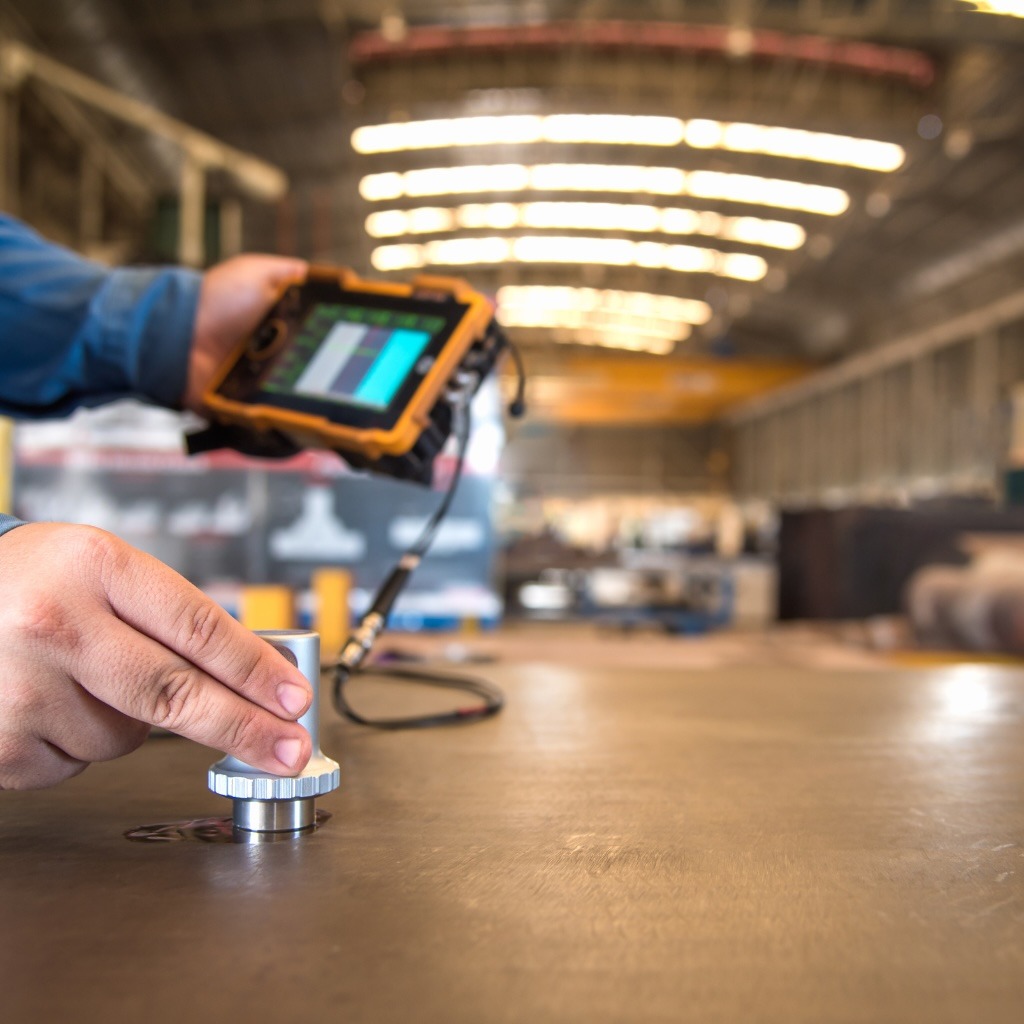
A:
369, 369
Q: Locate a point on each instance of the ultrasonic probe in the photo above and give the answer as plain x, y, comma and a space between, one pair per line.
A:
275, 803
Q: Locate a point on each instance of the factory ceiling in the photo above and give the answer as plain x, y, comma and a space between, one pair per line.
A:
786, 179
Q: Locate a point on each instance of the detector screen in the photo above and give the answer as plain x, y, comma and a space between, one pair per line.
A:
353, 355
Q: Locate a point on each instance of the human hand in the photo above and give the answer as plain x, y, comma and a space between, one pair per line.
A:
99, 640
234, 297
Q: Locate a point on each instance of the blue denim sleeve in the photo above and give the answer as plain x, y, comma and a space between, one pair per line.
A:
8, 523
74, 333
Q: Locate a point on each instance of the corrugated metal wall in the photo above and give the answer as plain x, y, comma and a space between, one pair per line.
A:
928, 414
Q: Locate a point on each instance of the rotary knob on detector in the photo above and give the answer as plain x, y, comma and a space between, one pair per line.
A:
275, 803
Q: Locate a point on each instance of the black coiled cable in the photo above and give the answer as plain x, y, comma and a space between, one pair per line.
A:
491, 699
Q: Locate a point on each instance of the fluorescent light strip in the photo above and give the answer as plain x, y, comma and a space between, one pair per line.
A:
613, 319
626, 340
795, 144
510, 178
618, 252
518, 130
621, 340
585, 217
610, 337
1007, 8
521, 300
629, 130
579, 322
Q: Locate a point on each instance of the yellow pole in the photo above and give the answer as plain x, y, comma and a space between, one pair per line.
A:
6, 464
331, 617
267, 607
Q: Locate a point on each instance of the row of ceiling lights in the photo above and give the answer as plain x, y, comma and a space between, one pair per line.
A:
597, 251
596, 324
666, 181
429, 220
629, 130
634, 320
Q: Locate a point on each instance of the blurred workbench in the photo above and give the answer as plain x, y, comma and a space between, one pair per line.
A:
722, 845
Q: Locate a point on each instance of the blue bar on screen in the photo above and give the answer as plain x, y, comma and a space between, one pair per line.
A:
389, 369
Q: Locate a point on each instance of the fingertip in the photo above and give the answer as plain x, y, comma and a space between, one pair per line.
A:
294, 700
291, 753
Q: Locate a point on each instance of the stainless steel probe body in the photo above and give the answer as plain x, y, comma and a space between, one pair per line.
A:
275, 803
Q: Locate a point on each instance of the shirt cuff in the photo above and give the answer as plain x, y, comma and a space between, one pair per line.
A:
8, 523
147, 317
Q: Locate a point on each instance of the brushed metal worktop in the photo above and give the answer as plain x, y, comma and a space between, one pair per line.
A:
728, 845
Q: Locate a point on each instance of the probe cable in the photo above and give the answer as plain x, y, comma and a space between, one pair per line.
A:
358, 645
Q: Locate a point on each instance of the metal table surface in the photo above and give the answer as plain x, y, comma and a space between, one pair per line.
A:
659, 846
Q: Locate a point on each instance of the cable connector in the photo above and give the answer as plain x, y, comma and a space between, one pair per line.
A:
358, 645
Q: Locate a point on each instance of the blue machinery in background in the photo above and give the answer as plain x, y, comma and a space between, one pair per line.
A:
707, 605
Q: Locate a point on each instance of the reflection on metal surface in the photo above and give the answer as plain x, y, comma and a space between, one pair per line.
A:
965, 701
967, 692
274, 815
215, 830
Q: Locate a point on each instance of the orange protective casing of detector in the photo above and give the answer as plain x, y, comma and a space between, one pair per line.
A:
316, 431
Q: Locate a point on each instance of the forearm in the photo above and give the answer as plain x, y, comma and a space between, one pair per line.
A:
74, 333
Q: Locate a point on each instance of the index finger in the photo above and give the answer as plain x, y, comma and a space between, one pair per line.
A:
155, 600
140, 677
